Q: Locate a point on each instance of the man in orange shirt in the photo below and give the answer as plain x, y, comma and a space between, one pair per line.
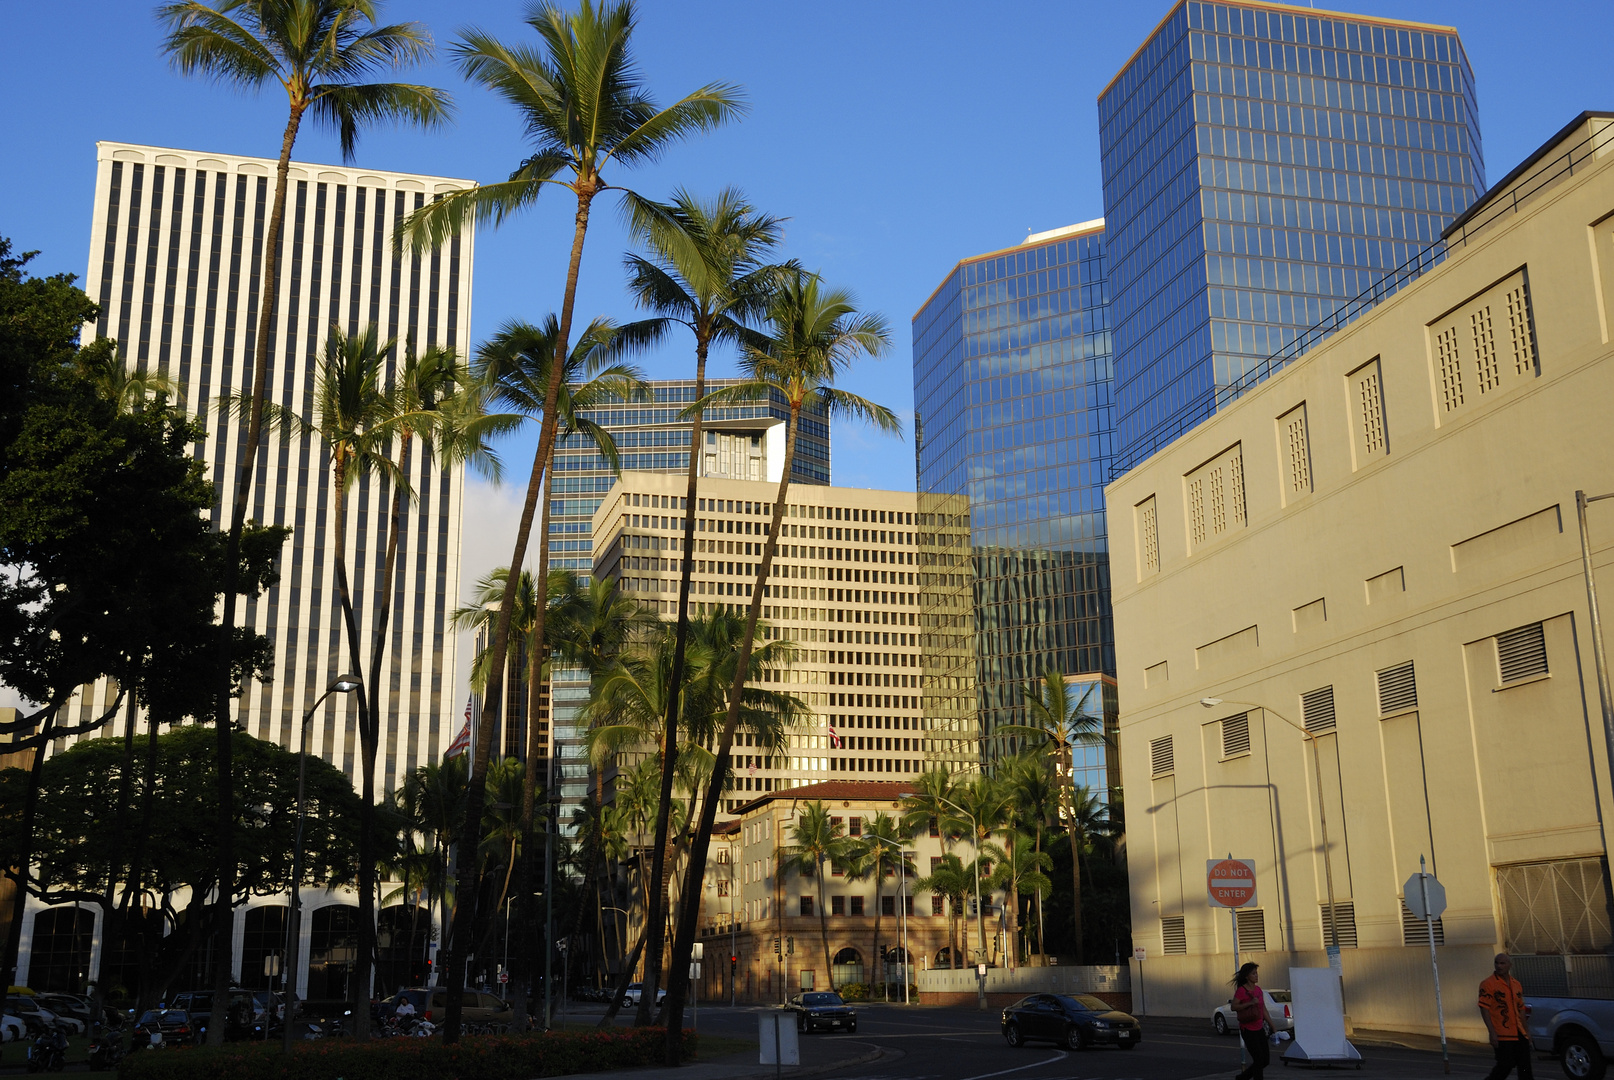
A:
1501, 1005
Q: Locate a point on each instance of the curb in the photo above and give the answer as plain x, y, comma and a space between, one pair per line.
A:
876, 1054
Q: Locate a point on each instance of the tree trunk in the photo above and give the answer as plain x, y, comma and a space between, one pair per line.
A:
1075, 859
877, 962
529, 779
30, 808
823, 930
223, 723
685, 936
622, 984
669, 735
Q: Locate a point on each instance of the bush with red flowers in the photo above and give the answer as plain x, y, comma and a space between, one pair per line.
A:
478, 1057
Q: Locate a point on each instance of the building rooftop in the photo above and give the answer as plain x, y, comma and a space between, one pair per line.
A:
846, 790
1572, 128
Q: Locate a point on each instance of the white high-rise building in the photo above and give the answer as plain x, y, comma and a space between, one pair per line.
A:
176, 259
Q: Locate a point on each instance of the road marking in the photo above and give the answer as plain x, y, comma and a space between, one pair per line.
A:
1059, 1055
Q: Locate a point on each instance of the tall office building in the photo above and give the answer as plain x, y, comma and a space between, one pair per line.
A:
1263, 164
1012, 388
176, 255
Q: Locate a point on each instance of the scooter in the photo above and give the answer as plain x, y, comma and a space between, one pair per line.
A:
106, 1049
47, 1053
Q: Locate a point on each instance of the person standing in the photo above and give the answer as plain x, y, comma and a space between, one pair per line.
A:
1250, 1007
1501, 1006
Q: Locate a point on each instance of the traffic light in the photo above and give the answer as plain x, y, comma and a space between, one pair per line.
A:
790, 946
734, 963
776, 951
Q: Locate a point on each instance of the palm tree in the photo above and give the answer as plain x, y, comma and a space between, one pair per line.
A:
583, 108
501, 837
1034, 780
951, 879
818, 843
984, 807
321, 52
432, 798
706, 272
816, 334
1018, 869
930, 803
127, 391
1060, 725
880, 854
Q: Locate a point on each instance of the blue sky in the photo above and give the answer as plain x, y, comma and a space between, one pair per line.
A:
897, 137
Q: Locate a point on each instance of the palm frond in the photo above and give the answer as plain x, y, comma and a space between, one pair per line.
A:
344, 109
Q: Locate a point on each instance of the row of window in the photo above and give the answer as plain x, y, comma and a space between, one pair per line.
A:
1521, 655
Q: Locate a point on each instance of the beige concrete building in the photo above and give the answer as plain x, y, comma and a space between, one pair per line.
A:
843, 589
1371, 561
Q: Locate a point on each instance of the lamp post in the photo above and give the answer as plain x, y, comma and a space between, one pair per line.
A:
343, 684
902, 907
980, 918
1599, 657
1322, 810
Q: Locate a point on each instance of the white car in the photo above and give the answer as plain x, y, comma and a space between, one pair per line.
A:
636, 990
11, 1028
1277, 1008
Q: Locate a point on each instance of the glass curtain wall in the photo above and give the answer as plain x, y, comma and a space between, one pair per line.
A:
1262, 166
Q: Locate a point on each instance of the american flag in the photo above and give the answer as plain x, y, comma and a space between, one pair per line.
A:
834, 739
462, 741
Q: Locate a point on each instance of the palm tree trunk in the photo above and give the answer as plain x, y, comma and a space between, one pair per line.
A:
1042, 937
622, 983
1075, 859
465, 908
877, 962
685, 938
823, 928
223, 954
669, 737
529, 779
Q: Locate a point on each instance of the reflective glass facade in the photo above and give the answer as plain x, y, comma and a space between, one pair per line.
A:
1262, 165
1013, 392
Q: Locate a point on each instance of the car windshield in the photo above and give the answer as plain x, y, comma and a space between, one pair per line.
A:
1280, 996
811, 1000
1085, 1001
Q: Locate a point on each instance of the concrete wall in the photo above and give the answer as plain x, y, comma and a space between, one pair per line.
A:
1004, 986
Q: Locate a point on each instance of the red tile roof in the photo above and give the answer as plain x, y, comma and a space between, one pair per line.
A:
844, 790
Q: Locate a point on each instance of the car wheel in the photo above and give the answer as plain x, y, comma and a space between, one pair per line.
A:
1074, 1038
1221, 1024
801, 1022
1581, 1057
1011, 1035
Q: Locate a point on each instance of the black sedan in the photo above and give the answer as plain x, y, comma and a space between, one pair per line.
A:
1077, 1021
165, 1027
822, 1009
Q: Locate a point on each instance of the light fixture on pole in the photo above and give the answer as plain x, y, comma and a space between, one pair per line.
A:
902, 906
1322, 809
342, 684
980, 918
1600, 658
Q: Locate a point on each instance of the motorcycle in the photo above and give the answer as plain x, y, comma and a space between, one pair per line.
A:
106, 1050
47, 1053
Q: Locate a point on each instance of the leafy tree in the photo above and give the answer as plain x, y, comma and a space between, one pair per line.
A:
879, 854
321, 52
815, 336
1035, 782
584, 108
82, 857
1018, 868
983, 808
950, 879
817, 843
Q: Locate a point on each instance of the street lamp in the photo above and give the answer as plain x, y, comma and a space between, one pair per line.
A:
1605, 697
902, 906
980, 918
1322, 810
343, 684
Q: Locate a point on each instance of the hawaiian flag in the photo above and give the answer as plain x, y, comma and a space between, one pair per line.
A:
834, 739
462, 741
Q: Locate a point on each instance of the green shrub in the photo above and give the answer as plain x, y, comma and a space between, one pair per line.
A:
478, 1057
855, 992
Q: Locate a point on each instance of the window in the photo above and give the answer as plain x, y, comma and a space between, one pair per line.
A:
1554, 907
1345, 911
1148, 538
1296, 449
1173, 935
1414, 931
1317, 709
837, 905
1161, 757
936, 903
1216, 497
1252, 929
857, 905
1398, 689
1451, 369
806, 905
1522, 653
1483, 345
854, 827
888, 905
1236, 736
1367, 413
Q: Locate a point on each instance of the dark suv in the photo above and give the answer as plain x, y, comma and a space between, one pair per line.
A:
239, 1018
431, 1003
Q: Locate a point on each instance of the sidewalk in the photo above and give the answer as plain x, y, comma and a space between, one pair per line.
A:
1412, 1041
742, 1066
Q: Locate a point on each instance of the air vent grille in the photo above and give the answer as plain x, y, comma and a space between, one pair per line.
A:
1398, 689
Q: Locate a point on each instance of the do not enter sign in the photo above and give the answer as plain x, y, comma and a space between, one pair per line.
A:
1230, 883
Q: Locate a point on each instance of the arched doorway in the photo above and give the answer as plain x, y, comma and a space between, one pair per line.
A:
944, 959
59, 959
333, 950
402, 934
896, 961
263, 945
847, 967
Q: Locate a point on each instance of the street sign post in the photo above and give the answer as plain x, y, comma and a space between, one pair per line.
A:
1426, 899
1140, 954
1230, 883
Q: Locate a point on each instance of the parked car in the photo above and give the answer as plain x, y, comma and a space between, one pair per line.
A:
165, 1027
636, 991
199, 1003
822, 1009
40, 1018
1579, 1032
67, 1005
431, 1003
1278, 1001
1076, 1021
11, 1027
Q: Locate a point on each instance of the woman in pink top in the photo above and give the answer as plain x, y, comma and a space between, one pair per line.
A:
1250, 1006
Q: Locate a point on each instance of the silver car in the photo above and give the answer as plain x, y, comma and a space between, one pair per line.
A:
1226, 1023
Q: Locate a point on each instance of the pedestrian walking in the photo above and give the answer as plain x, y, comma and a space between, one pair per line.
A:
1501, 1005
1250, 1007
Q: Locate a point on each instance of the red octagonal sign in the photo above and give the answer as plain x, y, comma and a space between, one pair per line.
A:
1230, 883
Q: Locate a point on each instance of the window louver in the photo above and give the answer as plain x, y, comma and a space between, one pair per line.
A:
1414, 931
1317, 709
1398, 689
1522, 653
1162, 759
1236, 735
1346, 911
1252, 929
1173, 935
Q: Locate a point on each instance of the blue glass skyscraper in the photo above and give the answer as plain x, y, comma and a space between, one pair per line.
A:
1012, 390
1262, 165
